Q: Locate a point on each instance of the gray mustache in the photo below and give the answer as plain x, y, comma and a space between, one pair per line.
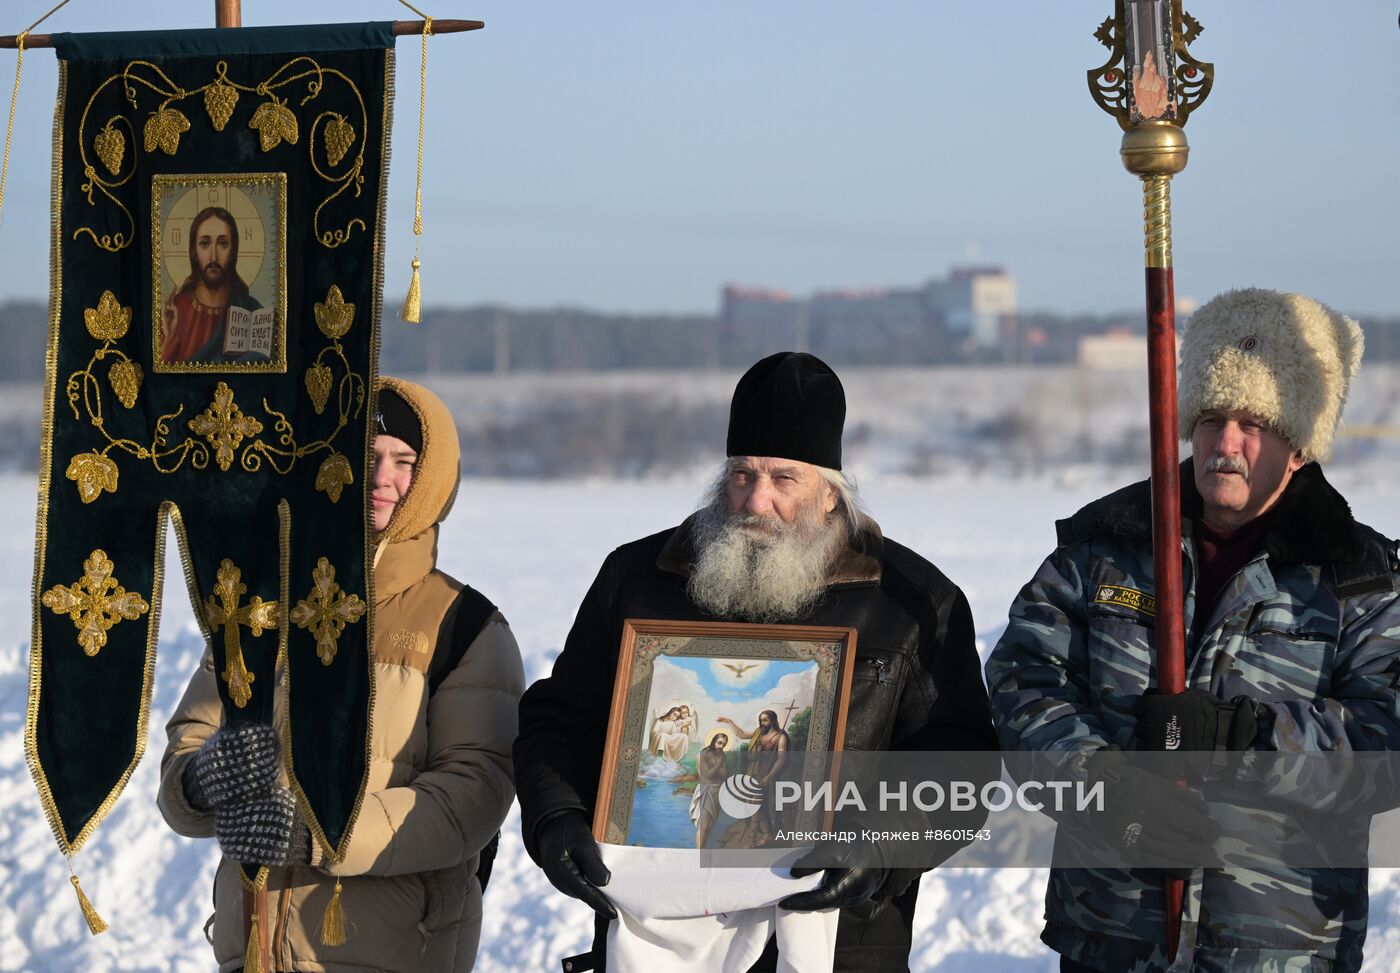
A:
1228, 464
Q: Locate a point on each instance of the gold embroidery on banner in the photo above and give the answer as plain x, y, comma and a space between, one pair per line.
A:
163, 130
125, 377
334, 476
109, 320
274, 122
318, 386
95, 602
224, 425
92, 472
335, 315
332, 135
340, 135
95, 472
110, 146
222, 610
220, 98
327, 611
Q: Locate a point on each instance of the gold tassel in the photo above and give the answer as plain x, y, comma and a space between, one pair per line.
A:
333, 922
94, 921
413, 303
252, 956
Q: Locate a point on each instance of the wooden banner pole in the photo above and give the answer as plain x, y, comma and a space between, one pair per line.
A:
228, 13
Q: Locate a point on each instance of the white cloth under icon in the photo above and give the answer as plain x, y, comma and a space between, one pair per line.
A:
678, 917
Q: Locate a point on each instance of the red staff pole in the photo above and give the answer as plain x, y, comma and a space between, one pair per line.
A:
1151, 83
1158, 145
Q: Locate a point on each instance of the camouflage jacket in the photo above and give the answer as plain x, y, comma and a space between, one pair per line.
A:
1309, 629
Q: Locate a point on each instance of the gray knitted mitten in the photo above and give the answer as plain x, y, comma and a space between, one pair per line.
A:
264, 830
235, 764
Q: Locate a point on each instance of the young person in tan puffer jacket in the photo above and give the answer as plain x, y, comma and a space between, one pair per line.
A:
440, 772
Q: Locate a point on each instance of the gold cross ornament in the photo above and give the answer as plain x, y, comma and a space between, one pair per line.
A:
95, 602
327, 611
224, 425
221, 610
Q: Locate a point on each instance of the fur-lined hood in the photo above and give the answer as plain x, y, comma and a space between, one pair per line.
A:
858, 563
1311, 523
439, 467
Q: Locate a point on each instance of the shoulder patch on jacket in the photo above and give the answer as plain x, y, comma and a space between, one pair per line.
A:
1124, 597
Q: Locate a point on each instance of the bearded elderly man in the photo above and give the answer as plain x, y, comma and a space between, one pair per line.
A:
780, 538
1292, 622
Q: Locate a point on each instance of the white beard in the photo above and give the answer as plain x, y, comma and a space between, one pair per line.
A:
757, 575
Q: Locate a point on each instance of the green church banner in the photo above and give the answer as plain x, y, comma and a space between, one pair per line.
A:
217, 239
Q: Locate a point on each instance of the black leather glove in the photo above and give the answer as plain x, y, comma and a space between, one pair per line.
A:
1148, 820
570, 859
1194, 720
235, 764
263, 830
844, 886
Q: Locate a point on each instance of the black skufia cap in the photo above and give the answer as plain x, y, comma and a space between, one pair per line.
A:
396, 418
789, 405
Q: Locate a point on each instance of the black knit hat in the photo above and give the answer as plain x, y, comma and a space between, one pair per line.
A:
396, 418
790, 405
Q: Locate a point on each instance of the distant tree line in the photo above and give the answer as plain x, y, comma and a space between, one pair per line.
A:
503, 340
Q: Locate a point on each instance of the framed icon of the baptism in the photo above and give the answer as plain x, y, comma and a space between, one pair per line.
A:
219, 272
707, 718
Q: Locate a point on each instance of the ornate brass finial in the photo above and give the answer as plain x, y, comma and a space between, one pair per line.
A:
1150, 74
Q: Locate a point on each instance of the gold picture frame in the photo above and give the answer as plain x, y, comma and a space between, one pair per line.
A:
219, 272
679, 769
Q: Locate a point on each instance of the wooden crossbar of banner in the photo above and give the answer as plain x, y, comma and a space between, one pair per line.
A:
401, 28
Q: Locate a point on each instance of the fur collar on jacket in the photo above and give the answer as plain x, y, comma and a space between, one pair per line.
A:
1312, 523
858, 563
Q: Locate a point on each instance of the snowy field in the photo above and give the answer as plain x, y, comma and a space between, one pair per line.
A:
534, 548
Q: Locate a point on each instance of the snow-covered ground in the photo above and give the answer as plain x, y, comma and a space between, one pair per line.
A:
534, 549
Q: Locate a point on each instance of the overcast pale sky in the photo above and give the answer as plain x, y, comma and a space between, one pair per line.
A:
636, 155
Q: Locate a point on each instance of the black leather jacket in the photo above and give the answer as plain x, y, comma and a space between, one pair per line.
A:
917, 686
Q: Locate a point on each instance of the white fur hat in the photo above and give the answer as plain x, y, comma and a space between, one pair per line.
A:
1284, 358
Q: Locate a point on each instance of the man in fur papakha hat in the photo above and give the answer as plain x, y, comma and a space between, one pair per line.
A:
780, 537
1291, 618
447, 679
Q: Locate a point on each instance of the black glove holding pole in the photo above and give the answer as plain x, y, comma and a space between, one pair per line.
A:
571, 862
1194, 720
